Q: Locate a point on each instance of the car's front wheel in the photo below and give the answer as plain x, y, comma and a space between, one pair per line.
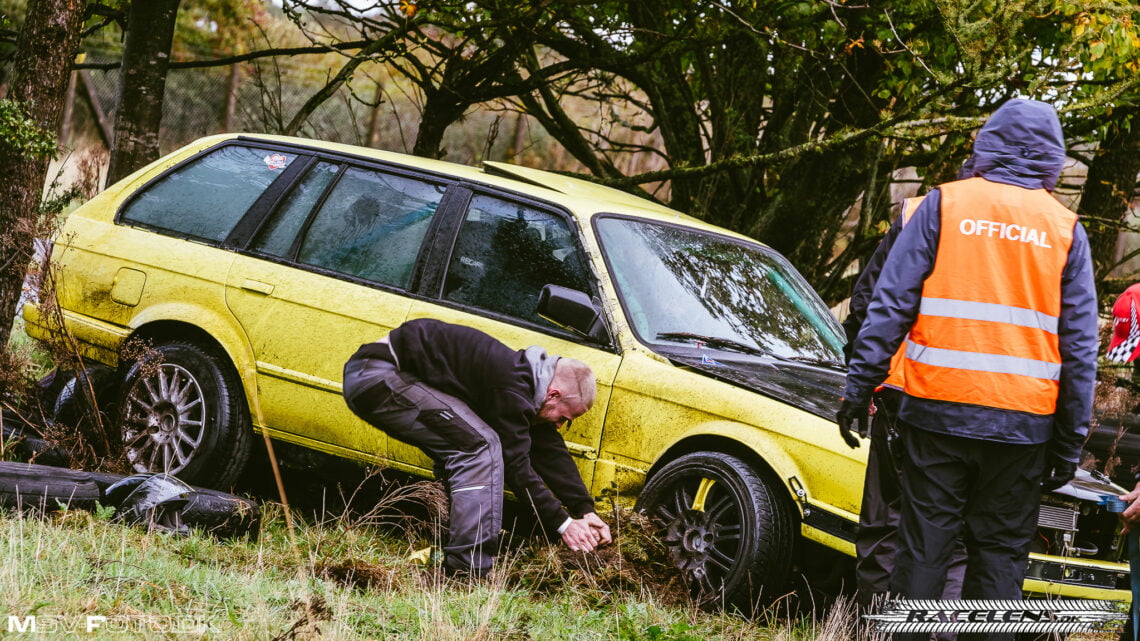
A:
725, 526
183, 412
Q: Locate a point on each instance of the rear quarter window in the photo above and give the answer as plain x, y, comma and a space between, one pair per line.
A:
206, 198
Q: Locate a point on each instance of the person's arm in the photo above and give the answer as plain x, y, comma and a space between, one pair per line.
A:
554, 464
552, 461
865, 286
510, 415
1077, 334
896, 299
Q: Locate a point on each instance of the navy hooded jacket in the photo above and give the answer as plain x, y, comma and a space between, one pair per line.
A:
1021, 145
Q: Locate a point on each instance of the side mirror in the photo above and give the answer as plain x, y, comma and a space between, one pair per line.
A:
573, 310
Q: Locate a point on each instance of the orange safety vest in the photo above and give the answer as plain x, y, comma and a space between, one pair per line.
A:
895, 376
986, 331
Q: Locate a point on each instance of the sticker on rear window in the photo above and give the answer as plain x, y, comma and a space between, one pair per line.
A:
276, 161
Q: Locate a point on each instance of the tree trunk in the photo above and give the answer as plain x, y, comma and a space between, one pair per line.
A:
1106, 200
142, 82
46, 47
440, 110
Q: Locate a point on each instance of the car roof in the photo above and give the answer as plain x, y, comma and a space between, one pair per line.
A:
583, 197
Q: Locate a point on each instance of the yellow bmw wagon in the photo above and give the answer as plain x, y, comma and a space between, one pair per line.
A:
256, 265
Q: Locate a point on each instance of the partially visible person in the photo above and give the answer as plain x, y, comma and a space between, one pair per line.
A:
1124, 347
1125, 344
485, 414
877, 537
991, 286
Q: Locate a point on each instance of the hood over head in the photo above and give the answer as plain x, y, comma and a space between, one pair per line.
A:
1021, 144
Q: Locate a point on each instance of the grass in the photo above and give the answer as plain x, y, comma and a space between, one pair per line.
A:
336, 580
28, 351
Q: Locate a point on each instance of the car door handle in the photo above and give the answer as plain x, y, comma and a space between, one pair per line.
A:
257, 286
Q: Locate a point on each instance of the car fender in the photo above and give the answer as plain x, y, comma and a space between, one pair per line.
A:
762, 444
223, 328
823, 483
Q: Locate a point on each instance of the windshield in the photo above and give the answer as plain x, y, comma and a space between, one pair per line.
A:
682, 285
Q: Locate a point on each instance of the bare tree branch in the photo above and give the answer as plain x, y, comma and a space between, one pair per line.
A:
253, 55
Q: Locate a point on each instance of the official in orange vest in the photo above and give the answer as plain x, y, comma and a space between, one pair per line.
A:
991, 286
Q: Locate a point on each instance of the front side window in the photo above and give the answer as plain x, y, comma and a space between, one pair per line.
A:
206, 198
686, 286
371, 226
505, 253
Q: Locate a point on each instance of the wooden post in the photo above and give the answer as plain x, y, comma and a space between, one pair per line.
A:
96, 108
68, 108
374, 120
231, 98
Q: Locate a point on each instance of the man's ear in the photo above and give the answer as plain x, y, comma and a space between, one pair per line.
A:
552, 392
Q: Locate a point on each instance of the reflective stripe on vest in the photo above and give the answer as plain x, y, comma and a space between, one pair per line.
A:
986, 331
973, 361
895, 376
993, 312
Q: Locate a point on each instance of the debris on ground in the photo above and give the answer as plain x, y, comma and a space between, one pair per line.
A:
635, 563
157, 501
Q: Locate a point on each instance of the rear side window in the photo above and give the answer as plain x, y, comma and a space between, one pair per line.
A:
277, 236
206, 198
371, 226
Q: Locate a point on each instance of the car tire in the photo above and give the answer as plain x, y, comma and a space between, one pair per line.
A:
46, 488
84, 403
726, 528
219, 513
182, 411
223, 515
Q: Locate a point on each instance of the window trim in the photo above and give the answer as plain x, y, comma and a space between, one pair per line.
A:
254, 219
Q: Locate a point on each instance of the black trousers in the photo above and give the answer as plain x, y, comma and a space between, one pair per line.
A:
877, 540
466, 451
987, 493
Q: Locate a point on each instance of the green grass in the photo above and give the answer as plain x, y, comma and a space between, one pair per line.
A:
73, 565
29, 350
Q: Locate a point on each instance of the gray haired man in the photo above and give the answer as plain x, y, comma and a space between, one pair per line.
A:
485, 414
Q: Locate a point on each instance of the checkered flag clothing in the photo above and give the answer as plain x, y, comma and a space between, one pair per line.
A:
1123, 351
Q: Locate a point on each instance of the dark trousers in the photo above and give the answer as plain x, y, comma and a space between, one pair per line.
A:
985, 492
465, 450
876, 542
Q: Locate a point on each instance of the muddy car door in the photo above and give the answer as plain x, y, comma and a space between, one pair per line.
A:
330, 269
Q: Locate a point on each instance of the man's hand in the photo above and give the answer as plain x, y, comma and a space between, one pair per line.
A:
850, 413
1057, 473
586, 533
1131, 514
594, 521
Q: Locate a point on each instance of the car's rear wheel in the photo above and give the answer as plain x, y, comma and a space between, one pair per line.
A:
183, 412
725, 526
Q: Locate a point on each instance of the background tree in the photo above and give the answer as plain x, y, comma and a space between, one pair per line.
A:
795, 122
146, 58
46, 47
770, 119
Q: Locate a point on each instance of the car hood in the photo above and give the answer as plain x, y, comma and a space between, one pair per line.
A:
811, 388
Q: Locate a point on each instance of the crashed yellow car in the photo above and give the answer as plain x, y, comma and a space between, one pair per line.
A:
254, 266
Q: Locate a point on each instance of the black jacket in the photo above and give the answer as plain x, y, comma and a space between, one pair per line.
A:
497, 383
